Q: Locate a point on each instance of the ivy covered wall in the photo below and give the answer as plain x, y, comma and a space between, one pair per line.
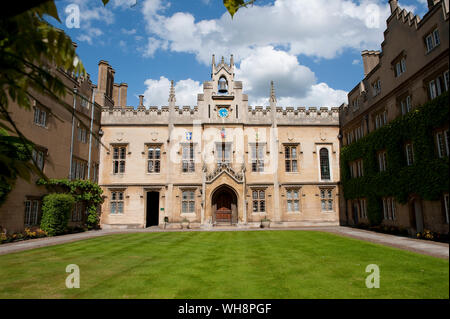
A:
427, 177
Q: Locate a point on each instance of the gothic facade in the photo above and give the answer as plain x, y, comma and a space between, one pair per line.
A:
221, 162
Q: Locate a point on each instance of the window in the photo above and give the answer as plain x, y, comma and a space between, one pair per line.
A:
154, 159
355, 104
350, 137
446, 207
78, 169
257, 158
187, 202
355, 134
442, 140
188, 164
119, 156
82, 134
84, 102
363, 208
356, 168
38, 158
400, 67
380, 119
409, 154
446, 80
432, 40
259, 201
31, 212
223, 153
388, 208
116, 203
376, 87
77, 212
438, 85
324, 164
95, 173
405, 105
290, 157
40, 117
293, 200
382, 163
326, 199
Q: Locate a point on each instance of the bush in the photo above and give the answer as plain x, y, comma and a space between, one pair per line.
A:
56, 211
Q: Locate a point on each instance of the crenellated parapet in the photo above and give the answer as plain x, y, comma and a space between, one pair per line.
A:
154, 115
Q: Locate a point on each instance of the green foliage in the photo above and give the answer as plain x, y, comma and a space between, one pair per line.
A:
82, 191
234, 5
427, 177
56, 211
27, 42
15, 161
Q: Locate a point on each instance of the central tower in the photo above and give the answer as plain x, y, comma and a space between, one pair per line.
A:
222, 100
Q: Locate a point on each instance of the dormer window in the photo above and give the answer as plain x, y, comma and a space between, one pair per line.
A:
223, 86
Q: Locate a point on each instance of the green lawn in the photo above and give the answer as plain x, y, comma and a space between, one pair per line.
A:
252, 264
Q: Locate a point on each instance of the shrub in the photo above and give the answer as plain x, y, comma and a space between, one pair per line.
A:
56, 210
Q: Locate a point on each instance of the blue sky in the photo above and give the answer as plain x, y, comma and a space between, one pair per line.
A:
310, 48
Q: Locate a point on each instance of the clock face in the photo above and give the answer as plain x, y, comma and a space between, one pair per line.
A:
223, 112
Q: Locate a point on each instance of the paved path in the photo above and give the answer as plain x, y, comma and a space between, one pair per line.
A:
440, 250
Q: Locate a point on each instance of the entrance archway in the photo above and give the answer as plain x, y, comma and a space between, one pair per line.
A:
224, 205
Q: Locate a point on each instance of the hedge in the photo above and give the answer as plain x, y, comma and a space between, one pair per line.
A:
56, 210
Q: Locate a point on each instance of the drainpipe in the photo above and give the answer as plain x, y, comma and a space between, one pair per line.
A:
90, 133
73, 127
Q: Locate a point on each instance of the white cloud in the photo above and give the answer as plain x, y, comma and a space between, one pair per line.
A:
295, 84
89, 35
356, 61
318, 28
128, 32
157, 92
124, 3
153, 45
90, 14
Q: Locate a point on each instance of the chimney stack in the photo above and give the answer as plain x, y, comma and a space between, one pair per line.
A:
116, 94
394, 5
141, 100
123, 87
370, 60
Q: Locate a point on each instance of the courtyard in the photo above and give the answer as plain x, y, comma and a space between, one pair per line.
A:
287, 264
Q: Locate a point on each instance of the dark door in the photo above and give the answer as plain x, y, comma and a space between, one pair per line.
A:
152, 209
355, 213
223, 212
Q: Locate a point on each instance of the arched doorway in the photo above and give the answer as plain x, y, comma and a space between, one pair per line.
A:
224, 205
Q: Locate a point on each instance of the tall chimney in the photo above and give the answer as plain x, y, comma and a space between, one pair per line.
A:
393, 4
102, 75
116, 94
370, 60
141, 100
123, 94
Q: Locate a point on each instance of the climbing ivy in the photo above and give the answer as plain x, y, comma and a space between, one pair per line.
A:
82, 191
426, 177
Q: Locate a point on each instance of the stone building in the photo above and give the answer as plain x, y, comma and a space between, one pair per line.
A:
221, 162
64, 148
411, 69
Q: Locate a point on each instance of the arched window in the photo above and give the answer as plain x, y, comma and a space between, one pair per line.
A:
324, 164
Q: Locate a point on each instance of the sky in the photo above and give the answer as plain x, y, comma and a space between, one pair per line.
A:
311, 49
